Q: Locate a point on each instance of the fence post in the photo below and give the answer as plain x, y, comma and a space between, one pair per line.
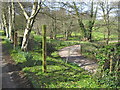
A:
44, 68
15, 39
81, 49
111, 62
68, 55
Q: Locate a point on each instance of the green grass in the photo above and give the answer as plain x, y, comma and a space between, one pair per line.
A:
75, 34
1, 35
59, 77
59, 74
99, 35
59, 36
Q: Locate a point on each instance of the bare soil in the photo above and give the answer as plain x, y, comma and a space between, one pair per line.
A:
12, 76
72, 54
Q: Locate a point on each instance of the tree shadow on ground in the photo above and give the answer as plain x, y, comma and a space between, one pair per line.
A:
11, 70
55, 77
32, 63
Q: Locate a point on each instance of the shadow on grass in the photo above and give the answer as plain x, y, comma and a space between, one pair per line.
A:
32, 63
37, 46
56, 78
6, 47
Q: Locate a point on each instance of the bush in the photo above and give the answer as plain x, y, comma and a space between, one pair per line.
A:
105, 77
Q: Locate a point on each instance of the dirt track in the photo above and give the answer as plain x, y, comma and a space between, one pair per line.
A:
11, 75
71, 54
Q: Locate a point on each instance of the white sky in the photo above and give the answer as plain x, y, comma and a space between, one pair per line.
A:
60, 0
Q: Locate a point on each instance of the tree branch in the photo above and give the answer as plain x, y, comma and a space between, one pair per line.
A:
36, 11
24, 12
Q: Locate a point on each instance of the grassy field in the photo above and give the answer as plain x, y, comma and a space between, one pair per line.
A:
59, 74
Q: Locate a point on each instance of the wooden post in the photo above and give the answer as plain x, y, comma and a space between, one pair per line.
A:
15, 40
81, 49
44, 68
68, 55
111, 62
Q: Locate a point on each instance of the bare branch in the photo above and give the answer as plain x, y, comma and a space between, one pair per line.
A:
38, 7
24, 12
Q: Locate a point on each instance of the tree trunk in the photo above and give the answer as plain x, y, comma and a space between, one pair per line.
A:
54, 30
108, 37
118, 22
44, 68
10, 24
92, 21
108, 31
119, 33
66, 34
30, 20
81, 25
13, 21
25, 39
90, 31
2, 25
27, 34
6, 25
51, 34
90, 36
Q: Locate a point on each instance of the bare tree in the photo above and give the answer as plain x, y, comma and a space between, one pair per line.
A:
106, 9
30, 20
92, 20
82, 26
86, 32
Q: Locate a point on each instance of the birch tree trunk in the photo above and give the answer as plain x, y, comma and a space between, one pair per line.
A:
5, 25
10, 23
2, 25
14, 33
27, 34
30, 21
